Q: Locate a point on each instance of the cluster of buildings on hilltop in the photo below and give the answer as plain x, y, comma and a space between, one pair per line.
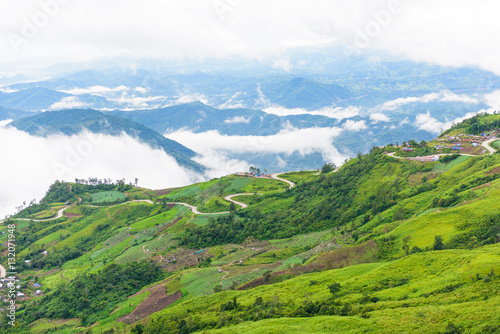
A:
466, 138
252, 174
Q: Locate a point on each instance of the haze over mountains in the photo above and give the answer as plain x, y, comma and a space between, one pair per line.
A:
222, 120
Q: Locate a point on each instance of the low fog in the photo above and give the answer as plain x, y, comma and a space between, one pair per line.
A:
30, 164
215, 147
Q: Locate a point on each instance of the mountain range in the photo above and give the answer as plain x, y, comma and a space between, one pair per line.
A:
72, 122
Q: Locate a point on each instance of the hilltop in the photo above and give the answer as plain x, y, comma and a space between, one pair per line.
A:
387, 243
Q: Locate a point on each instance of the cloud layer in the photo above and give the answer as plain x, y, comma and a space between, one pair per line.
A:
31, 164
454, 32
287, 141
331, 112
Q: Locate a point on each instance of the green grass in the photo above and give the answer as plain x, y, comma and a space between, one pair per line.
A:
44, 325
202, 220
495, 145
420, 292
108, 196
434, 288
297, 177
52, 281
237, 183
264, 186
134, 253
159, 219
441, 168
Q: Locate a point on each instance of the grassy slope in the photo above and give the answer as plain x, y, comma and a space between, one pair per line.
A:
420, 292
406, 306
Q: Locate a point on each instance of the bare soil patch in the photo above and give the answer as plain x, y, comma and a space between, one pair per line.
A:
495, 170
155, 302
71, 215
163, 192
363, 253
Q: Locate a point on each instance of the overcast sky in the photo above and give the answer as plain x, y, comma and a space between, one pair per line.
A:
447, 32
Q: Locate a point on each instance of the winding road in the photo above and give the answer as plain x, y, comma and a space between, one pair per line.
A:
276, 177
59, 215
193, 208
229, 198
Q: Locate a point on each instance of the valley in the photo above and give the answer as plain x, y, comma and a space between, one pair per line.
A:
381, 244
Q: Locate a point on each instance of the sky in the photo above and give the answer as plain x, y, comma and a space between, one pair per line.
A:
446, 32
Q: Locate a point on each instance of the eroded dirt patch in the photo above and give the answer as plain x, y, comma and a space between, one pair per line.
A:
155, 302
495, 170
71, 215
363, 253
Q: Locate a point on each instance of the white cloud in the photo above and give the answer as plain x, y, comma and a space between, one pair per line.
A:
219, 165
493, 101
287, 141
5, 122
233, 102
448, 96
337, 113
69, 102
8, 90
442, 96
283, 64
137, 102
405, 121
81, 156
188, 98
96, 90
379, 117
355, 126
428, 123
237, 119
452, 33
141, 90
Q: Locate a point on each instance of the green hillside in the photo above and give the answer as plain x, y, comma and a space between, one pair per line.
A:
384, 245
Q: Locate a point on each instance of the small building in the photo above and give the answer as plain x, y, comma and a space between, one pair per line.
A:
456, 148
36, 285
407, 149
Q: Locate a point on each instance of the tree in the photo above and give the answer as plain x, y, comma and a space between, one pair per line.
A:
438, 242
232, 207
327, 168
138, 329
334, 288
406, 246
